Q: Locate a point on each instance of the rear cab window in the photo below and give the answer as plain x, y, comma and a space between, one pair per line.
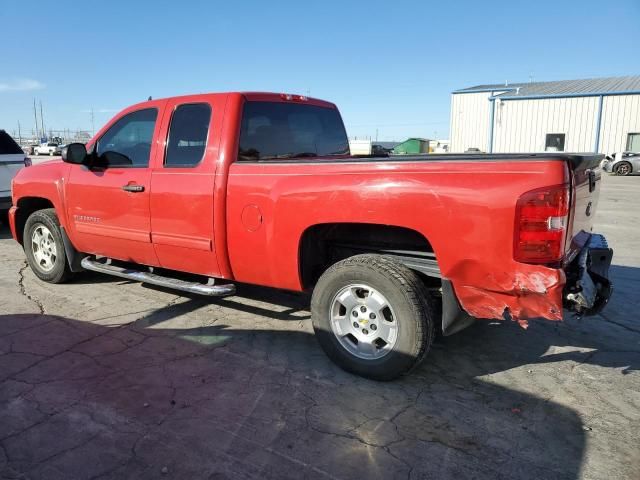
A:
8, 145
279, 130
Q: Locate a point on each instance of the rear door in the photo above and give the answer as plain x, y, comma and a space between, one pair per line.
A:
11, 160
182, 185
108, 204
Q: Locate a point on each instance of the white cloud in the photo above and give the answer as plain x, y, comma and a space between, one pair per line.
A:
22, 84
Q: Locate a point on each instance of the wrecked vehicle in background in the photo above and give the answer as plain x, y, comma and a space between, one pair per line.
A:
261, 188
622, 163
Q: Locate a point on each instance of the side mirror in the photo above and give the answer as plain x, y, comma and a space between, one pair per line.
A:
75, 153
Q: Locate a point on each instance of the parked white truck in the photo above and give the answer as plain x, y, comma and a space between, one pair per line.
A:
47, 148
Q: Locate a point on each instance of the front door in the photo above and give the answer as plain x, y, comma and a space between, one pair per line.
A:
108, 203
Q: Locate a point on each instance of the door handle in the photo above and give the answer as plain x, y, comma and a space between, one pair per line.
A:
133, 188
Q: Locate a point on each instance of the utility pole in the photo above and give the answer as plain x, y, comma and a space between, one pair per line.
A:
44, 131
19, 134
35, 116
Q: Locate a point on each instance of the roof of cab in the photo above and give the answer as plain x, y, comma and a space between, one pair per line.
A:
250, 96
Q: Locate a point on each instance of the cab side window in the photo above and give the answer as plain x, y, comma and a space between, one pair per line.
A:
127, 143
188, 135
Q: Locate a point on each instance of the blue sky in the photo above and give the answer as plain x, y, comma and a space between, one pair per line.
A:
389, 66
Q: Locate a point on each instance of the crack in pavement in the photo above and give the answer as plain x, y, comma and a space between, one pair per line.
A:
23, 290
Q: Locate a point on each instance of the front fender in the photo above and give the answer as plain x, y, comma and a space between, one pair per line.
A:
39, 186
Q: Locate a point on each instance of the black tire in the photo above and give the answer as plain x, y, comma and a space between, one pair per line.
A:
624, 168
405, 293
60, 271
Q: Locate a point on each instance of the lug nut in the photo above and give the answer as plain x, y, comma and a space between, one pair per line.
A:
363, 309
374, 326
355, 324
354, 313
372, 316
365, 331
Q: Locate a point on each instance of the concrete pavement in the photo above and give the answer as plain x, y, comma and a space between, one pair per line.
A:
102, 378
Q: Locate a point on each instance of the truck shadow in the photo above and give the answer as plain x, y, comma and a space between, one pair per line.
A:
295, 306
81, 400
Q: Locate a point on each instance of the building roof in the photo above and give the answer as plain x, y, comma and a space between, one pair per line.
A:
590, 86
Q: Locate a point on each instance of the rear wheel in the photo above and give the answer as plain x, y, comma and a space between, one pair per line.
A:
373, 316
44, 247
624, 168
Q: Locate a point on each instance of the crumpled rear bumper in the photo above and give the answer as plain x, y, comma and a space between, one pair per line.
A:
588, 288
532, 291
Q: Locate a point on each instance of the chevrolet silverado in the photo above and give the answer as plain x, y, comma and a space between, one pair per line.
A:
199, 192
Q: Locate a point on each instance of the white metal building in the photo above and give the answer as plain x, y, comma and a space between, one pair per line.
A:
595, 115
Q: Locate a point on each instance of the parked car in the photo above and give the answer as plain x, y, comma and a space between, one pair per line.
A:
261, 188
50, 148
12, 159
624, 163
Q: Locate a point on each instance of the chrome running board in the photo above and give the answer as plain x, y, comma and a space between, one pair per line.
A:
208, 289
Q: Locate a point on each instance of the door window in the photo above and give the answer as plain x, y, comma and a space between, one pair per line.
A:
633, 142
188, 135
128, 142
554, 142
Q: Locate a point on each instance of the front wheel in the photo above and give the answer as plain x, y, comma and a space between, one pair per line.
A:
44, 247
373, 316
624, 168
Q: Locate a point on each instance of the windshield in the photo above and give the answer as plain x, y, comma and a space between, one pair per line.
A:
272, 130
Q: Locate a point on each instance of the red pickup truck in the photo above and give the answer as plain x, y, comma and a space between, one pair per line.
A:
200, 191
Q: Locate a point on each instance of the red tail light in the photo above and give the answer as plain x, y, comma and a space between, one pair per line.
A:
541, 225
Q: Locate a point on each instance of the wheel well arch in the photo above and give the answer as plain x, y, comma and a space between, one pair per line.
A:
322, 245
26, 206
